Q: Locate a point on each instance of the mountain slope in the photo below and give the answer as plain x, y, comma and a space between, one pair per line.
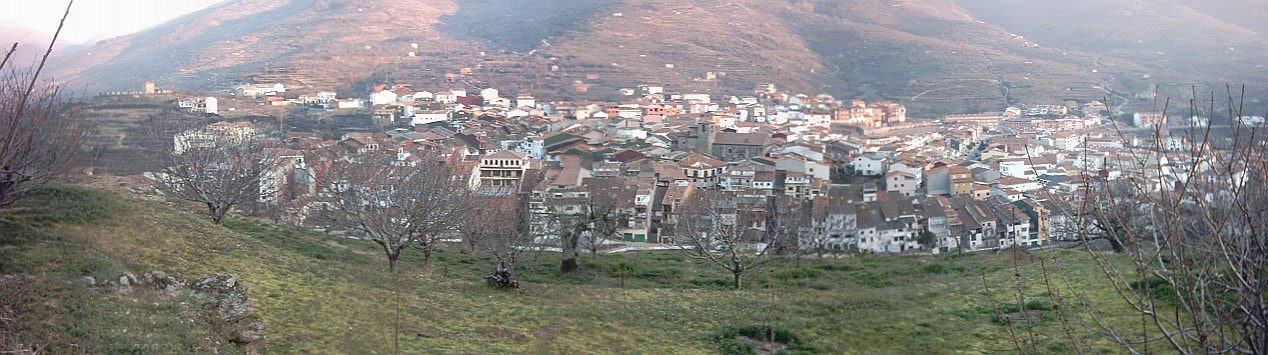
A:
937, 56
1176, 43
31, 44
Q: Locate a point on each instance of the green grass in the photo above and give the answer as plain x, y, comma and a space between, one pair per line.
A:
322, 294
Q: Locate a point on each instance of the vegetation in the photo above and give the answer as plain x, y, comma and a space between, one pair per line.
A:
317, 293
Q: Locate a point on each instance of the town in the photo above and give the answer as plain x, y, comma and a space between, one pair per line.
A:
872, 179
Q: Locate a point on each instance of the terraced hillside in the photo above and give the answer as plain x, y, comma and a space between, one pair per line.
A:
937, 56
318, 294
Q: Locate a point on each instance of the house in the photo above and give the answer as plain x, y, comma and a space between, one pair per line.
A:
701, 169
812, 169
938, 181
870, 164
1017, 184
525, 100
502, 170
889, 226
208, 105
833, 226
252, 91
902, 182
286, 177
344, 104
383, 97
731, 146
1149, 119
1017, 167
795, 184
424, 117
326, 97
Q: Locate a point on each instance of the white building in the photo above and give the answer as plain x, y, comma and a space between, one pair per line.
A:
870, 165
252, 91
383, 98
429, 116
211, 105
489, 94
326, 97
348, 104
525, 100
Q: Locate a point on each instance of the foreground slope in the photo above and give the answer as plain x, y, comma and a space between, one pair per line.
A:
320, 295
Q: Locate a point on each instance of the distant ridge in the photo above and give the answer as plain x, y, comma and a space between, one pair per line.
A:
936, 56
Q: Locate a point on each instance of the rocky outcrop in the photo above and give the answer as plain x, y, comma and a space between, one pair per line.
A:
230, 311
223, 299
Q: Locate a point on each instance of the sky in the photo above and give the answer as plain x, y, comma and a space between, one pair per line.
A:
93, 20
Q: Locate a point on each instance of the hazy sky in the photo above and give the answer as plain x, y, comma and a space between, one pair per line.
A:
92, 20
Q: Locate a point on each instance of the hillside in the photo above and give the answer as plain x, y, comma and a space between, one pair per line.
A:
32, 44
317, 294
1177, 44
935, 55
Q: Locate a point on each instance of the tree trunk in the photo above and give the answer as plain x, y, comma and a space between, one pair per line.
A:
427, 252
570, 264
737, 280
217, 213
396, 298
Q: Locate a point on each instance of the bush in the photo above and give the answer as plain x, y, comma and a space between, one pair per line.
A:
662, 273
1039, 304
714, 283
1157, 287
873, 279
797, 274
729, 342
934, 269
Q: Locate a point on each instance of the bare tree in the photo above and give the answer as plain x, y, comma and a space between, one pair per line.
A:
397, 205
40, 134
588, 216
609, 205
500, 225
1192, 218
786, 222
723, 230
222, 166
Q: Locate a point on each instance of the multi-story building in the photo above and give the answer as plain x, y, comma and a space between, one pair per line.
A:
504, 169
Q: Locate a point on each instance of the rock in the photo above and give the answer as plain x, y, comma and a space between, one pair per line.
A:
88, 281
230, 311
1021, 317
126, 282
160, 281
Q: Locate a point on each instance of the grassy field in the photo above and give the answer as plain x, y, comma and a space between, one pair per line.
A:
318, 294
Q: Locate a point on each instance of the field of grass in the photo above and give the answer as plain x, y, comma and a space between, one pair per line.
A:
320, 294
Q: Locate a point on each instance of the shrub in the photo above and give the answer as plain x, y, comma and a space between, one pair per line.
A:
797, 274
661, 273
873, 279
934, 268
1039, 304
1158, 288
729, 342
834, 267
715, 283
